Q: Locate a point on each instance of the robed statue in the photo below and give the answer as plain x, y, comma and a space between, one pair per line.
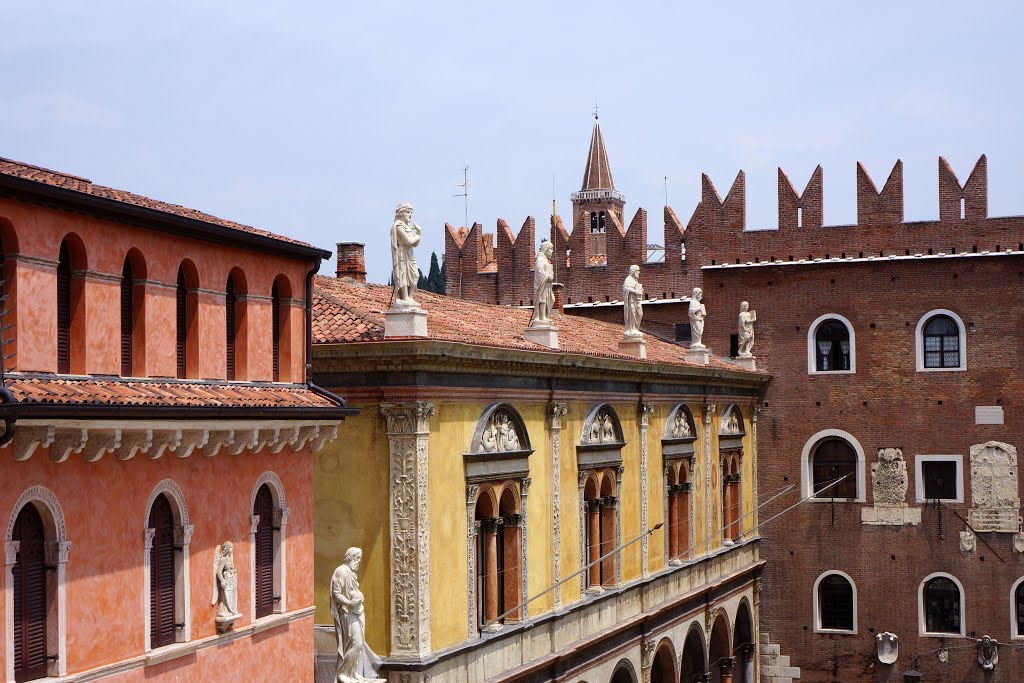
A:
543, 278
633, 302
697, 313
356, 661
225, 586
746, 329
405, 274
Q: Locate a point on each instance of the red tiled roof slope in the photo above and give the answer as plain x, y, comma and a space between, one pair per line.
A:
348, 311
45, 389
65, 181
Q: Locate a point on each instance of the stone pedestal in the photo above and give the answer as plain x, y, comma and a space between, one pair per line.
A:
544, 334
746, 360
405, 322
890, 515
698, 354
633, 346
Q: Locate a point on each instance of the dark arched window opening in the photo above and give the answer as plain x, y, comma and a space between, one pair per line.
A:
275, 305
941, 343
264, 508
835, 603
488, 576
593, 222
832, 346
126, 319
833, 459
942, 606
30, 597
181, 323
1018, 602
162, 579
229, 306
601, 221
64, 310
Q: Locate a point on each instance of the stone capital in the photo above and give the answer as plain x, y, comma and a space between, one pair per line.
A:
407, 418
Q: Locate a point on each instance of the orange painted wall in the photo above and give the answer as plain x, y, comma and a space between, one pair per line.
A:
104, 506
36, 231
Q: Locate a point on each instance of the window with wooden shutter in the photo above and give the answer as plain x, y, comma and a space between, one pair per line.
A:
275, 304
264, 507
29, 577
229, 304
126, 319
161, 574
64, 311
181, 317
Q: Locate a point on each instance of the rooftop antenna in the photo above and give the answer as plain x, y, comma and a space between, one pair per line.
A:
553, 211
465, 193
595, 108
666, 190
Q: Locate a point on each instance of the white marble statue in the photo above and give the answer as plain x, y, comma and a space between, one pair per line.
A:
746, 329
405, 274
356, 661
489, 439
508, 440
225, 586
697, 314
543, 277
680, 426
633, 302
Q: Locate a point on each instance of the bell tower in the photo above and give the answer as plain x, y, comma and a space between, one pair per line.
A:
597, 200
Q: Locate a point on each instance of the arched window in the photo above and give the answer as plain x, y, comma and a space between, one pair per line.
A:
831, 345
133, 349
677, 452
941, 341
186, 303
731, 498
264, 575
593, 222
64, 310
834, 459
488, 580
275, 326
835, 600
167, 535
942, 605
267, 539
230, 306
181, 324
1017, 604
601, 222
599, 456
31, 599
236, 326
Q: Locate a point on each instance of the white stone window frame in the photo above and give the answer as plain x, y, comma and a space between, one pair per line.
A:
919, 341
919, 461
182, 585
807, 471
1013, 609
280, 544
812, 346
816, 606
922, 622
46, 501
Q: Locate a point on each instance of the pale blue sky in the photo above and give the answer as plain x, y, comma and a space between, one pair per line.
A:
315, 119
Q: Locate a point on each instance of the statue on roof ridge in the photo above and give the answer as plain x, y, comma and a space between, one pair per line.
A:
543, 294
405, 274
633, 302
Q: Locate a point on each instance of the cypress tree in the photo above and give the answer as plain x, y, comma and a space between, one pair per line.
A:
434, 281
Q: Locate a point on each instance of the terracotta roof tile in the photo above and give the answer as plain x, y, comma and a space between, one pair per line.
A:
88, 391
66, 181
348, 311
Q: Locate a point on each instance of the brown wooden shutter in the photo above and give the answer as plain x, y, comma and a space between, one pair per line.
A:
64, 311
229, 303
30, 597
264, 507
126, 319
181, 301
275, 304
161, 574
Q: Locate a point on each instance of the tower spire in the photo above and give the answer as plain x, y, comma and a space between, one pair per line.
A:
598, 173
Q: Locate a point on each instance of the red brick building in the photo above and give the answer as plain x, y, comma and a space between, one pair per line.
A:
894, 347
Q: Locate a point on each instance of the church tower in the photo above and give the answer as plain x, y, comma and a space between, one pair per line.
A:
597, 201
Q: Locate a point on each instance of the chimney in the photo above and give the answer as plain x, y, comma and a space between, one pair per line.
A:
558, 289
351, 262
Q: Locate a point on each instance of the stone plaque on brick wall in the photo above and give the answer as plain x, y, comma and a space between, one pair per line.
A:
988, 415
995, 501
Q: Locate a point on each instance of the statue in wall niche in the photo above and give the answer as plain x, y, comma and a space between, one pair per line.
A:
405, 274
697, 314
889, 477
356, 661
746, 329
508, 440
888, 646
633, 302
680, 426
225, 586
543, 278
988, 653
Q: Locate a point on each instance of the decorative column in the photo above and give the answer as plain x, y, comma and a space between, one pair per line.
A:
646, 409
709, 411
471, 545
725, 667
672, 524
646, 660
747, 661
556, 411
594, 541
408, 425
753, 466
524, 489
609, 538
618, 523
489, 528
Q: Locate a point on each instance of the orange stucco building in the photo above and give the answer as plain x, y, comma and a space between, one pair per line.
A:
156, 406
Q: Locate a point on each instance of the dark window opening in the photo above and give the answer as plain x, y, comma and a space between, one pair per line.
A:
835, 601
832, 346
832, 460
181, 318
734, 345
264, 578
683, 332
942, 606
275, 305
940, 479
64, 311
941, 343
229, 304
162, 577
1018, 600
126, 319
30, 599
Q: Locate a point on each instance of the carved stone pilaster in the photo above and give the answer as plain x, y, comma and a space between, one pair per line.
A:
582, 476
754, 517
709, 412
524, 489
11, 549
646, 410
471, 492
408, 427
556, 411
618, 523
646, 659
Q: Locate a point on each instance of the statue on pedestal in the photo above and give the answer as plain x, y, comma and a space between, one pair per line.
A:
632, 302
405, 274
697, 313
225, 586
356, 661
543, 278
746, 329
